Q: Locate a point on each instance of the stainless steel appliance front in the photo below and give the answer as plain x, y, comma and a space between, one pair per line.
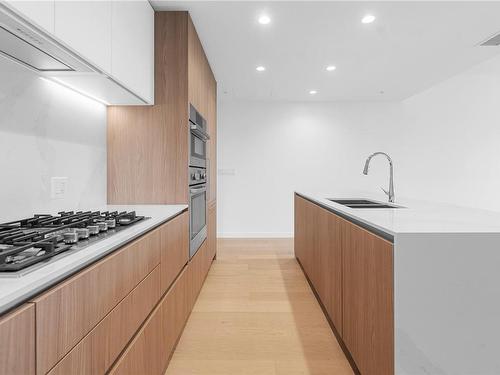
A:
198, 139
197, 217
197, 180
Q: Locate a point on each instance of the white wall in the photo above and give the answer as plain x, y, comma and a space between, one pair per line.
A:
276, 148
45, 131
445, 143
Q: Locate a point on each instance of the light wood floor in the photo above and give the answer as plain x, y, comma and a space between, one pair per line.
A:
256, 314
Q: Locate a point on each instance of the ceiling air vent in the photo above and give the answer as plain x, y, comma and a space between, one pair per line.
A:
493, 41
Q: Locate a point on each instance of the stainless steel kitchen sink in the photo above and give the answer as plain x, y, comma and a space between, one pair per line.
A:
363, 203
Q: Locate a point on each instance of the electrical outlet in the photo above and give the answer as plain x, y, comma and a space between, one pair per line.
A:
58, 187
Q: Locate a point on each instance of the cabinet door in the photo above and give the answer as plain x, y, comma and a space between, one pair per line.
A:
133, 46
212, 143
368, 318
147, 352
17, 341
299, 228
40, 13
198, 268
198, 79
212, 232
85, 26
174, 249
101, 347
69, 311
151, 348
329, 264
311, 254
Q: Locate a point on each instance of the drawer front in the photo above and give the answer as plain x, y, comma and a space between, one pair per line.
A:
150, 350
17, 341
66, 313
175, 311
101, 347
174, 249
212, 231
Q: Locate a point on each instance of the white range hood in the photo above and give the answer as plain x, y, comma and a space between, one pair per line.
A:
40, 52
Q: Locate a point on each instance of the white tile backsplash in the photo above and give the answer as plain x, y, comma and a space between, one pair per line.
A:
48, 131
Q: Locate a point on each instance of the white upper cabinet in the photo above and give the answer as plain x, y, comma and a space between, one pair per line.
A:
133, 46
40, 13
113, 39
85, 26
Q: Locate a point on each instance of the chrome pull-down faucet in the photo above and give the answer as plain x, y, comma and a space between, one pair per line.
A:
390, 193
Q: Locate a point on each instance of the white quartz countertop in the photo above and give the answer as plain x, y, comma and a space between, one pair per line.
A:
415, 217
16, 290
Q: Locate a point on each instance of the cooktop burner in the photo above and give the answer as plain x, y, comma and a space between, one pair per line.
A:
28, 242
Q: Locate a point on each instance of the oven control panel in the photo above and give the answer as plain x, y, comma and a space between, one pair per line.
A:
197, 175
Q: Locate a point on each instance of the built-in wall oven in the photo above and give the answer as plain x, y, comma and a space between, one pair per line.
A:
197, 180
198, 139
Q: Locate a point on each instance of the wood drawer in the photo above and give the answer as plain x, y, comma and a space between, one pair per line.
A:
66, 313
174, 249
151, 348
101, 347
17, 341
212, 231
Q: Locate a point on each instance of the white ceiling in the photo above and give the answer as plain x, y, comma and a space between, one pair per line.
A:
409, 47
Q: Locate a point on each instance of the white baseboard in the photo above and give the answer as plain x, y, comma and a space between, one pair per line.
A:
255, 235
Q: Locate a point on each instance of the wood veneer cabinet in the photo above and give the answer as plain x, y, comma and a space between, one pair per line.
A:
212, 231
148, 146
351, 270
67, 312
17, 341
97, 351
150, 350
368, 300
174, 242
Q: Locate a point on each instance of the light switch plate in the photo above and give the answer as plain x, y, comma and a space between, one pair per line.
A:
58, 187
227, 172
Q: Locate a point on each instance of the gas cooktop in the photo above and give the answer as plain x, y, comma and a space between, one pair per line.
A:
26, 244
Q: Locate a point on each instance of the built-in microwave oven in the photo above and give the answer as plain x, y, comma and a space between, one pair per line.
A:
198, 139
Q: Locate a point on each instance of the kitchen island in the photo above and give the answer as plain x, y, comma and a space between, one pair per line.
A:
408, 290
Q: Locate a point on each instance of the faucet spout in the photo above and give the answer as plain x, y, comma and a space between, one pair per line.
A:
389, 193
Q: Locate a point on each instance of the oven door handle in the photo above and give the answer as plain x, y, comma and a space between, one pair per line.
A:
197, 190
198, 131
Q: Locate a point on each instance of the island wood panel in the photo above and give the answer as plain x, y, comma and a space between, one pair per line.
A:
147, 146
101, 347
310, 257
212, 232
368, 316
299, 228
174, 249
318, 246
150, 350
17, 341
329, 264
66, 313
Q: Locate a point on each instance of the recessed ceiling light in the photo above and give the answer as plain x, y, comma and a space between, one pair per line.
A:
331, 68
368, 18
313, 92
264, 19
260, 68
